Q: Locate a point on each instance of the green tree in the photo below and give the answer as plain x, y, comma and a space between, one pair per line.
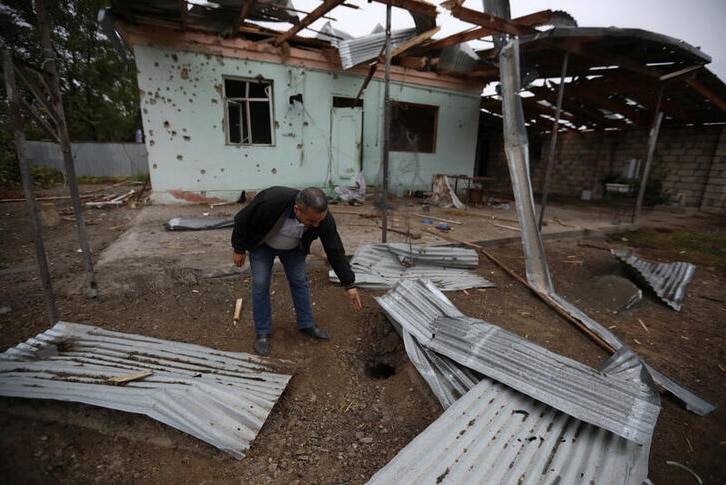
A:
97, 81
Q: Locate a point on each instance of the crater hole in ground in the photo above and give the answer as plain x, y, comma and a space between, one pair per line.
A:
379, 368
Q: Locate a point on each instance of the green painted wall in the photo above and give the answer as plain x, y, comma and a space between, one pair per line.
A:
183, 116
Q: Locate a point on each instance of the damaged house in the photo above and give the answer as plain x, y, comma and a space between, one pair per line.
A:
245, 111
240, 96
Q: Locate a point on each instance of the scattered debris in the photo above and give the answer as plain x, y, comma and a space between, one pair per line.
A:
199, 223
668, 280
114, 201
684, 467
443, 195
237, 311
355, 193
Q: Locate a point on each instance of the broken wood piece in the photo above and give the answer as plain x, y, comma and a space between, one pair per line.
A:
438, 219
237, 310
123, 197
503, 226
129, 377
105, 203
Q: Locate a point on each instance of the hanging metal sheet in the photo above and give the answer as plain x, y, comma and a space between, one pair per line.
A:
362, 49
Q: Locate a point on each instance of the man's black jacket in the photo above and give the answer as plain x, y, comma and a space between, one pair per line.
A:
268, 211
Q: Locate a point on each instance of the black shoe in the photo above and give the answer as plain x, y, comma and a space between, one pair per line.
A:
316, 332
262, 345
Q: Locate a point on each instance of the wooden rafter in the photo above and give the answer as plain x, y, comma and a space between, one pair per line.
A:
322, 9
182, 5
244, 12
536, 18
414, 6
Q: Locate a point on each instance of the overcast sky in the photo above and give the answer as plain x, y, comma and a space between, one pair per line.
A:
700, 23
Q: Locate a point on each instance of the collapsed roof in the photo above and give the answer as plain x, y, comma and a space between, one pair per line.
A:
613, 76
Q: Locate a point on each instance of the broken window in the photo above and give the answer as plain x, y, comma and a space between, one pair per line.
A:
413, 127
248, 108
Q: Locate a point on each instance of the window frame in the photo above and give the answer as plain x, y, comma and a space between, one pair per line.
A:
396, 136
245, 116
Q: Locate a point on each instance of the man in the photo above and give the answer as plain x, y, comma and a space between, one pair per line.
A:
283, 222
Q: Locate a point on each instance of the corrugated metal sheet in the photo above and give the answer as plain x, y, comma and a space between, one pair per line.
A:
667, 280
380, 266
494, 434
619, 406
198, 223
459, 58
362, 49
222, 398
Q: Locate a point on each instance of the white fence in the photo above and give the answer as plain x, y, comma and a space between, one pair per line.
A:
92, 159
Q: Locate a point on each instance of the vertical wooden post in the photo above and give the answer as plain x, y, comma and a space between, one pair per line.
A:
17, 121
386, 124
50, 75
553, 142
652, 140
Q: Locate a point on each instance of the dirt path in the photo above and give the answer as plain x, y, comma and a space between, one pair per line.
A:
342, 417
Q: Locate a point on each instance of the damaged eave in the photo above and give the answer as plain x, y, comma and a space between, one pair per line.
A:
310, 58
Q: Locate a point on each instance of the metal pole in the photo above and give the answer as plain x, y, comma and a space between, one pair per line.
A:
652, 140
386, 123
17, 120
553, 141
50, 74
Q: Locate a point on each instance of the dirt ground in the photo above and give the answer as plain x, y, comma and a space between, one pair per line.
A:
339, 420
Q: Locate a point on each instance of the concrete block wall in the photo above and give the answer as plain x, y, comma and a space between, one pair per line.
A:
714, 194
694, 159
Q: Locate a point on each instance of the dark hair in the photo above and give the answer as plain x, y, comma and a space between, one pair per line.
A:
312, 198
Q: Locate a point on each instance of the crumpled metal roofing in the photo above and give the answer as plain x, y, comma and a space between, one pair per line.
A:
362, 49
494, 434
667, 280
380, 266
621, 407
538, 276
222, 398
198, 223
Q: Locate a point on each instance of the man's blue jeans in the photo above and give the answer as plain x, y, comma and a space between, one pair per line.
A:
293, 261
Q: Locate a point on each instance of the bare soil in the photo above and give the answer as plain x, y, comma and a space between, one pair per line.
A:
342, 417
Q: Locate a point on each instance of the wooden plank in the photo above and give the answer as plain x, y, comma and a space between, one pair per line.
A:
129, 377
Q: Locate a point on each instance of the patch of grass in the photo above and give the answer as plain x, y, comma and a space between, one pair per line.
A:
699, 248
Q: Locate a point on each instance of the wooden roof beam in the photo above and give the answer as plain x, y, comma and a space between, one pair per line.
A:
414, 6
183, 13
477, 33
496, 24
322, 9
243, 13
